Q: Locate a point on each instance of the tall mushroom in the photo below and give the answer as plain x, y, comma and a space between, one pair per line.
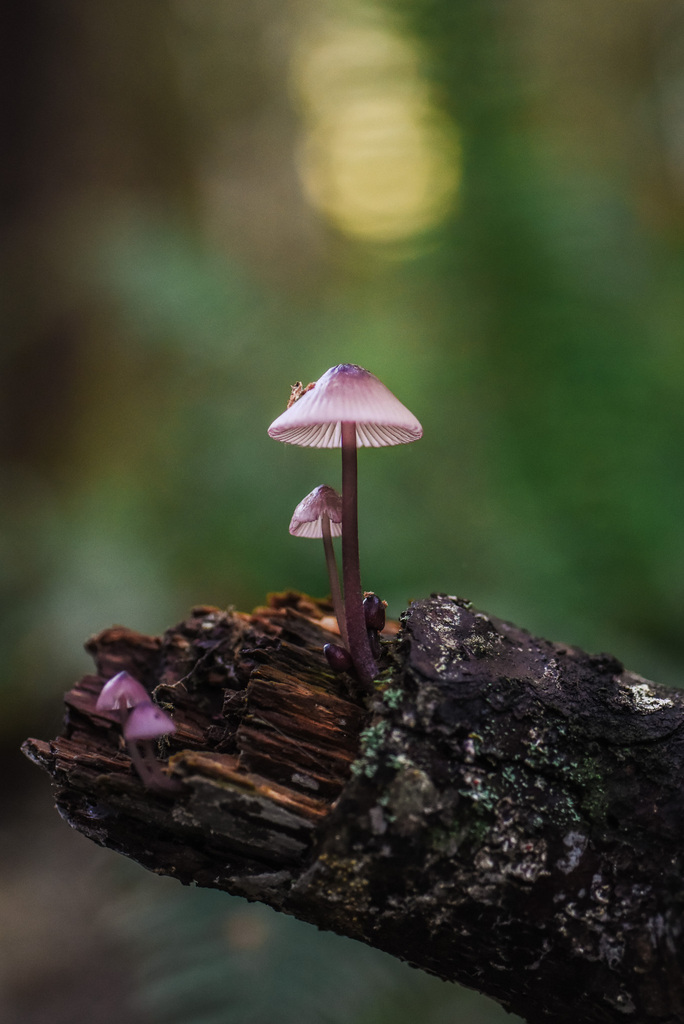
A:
346, 408
319, 514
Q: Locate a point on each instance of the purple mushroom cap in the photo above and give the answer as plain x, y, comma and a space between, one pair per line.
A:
346, 394
121, 691
307, 519
147, 722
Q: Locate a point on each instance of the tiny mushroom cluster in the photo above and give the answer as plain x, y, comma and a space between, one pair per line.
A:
347, 408
142, 722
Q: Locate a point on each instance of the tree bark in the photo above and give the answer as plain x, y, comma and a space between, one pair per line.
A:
504, 812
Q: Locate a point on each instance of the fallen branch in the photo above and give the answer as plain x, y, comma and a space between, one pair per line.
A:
507, 813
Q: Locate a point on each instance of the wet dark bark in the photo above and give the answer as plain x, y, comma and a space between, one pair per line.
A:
507, 813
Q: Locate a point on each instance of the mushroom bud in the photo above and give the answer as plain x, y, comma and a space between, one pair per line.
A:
319, 514
374, 612
346, 408
337, 657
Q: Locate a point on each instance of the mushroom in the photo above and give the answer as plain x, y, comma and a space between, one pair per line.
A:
374, 611
349, 407
337, 657
319, 514
121, 693
374, 614
146, 722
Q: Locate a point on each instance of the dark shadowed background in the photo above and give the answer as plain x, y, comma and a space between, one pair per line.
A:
481, 202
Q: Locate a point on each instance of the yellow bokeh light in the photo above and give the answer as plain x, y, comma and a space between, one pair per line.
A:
377, 158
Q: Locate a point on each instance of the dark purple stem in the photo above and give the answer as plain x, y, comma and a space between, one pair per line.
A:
357, 637
331, 563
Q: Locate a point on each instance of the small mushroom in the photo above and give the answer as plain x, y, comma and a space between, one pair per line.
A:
145, 723
374, 614
346, 408
374, 611
319, 514
121, 693
337, 657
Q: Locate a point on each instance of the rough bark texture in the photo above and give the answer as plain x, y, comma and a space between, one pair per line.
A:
507, 813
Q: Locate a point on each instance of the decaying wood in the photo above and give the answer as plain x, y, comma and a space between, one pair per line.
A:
505, 812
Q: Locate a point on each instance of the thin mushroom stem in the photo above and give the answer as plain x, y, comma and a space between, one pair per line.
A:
146, 764
334, 579
359, 647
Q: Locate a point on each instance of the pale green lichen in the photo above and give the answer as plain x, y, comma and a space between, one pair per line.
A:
482, 790
399, 761
384, 802
371, 739
392, 697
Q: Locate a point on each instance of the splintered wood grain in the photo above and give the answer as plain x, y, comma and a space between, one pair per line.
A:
297, 733
120, 649
284, 701
226, 767
300, 723
265, 732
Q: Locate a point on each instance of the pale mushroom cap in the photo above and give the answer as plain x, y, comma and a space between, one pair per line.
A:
147, 722
307, 519
121, 691
346, 394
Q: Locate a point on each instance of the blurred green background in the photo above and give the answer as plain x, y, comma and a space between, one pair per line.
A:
480, 202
